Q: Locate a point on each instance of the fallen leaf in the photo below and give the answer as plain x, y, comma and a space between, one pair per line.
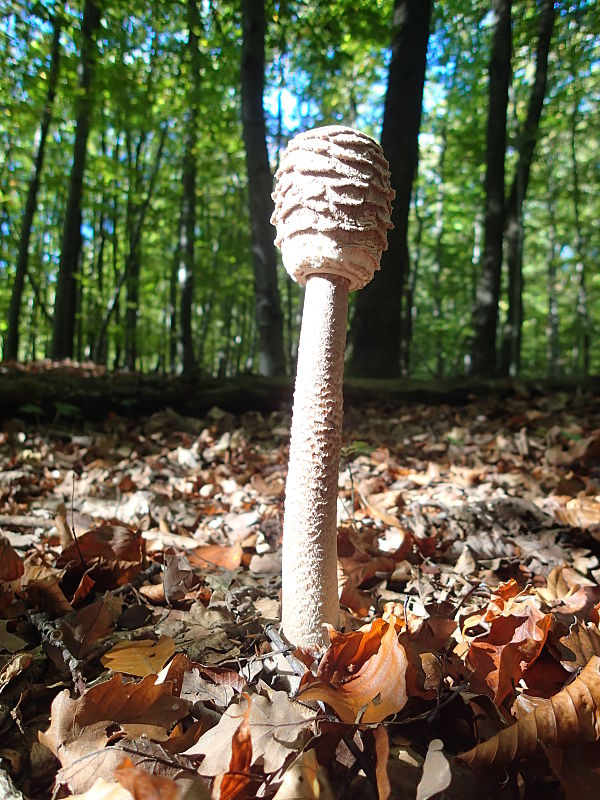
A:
104, 790
90, 625
276, 729
572, 715
577, 768
305, 779
144, 786
362, 675
229, 785
437, 775
11, 563
140, 657
80, 726
111, 554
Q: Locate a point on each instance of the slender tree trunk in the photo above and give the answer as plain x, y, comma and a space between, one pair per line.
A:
485, 312
65, 299
376, 331
188, 226
11, 344
581, 349
552, 319
269, 319
514, 211
172, 307
132, 305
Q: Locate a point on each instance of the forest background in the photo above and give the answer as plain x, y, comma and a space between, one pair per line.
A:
139, 139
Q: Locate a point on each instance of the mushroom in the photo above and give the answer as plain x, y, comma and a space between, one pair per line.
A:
332, 212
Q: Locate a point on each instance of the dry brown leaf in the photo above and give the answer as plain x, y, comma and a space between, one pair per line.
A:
178, 577
382, 755
11, 563
569, 717
92, 624
141, 657
144, 786
111, 554
104, 790
305, 779
362, 675
42, 587
14, 667
516, 633
211, 556
276, 729
578, 769
80, 726
236, 779
579, 645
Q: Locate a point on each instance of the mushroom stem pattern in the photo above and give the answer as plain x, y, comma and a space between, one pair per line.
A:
332, 212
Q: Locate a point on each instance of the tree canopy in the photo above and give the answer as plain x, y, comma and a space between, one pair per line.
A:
126, 232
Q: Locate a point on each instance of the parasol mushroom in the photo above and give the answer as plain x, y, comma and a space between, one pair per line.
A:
332, 212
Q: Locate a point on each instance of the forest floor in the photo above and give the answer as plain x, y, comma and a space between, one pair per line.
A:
469, 545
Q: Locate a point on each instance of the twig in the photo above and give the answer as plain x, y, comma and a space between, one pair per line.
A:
26, 522
139, 579
52, 636
297, 666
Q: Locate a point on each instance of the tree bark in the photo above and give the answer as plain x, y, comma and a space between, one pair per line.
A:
581, 347
552, 319
188, 211
11, 344
269, 319
376, 331
514, 211
485, 312
63, 328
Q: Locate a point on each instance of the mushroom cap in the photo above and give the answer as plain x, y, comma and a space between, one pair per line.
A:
333, 203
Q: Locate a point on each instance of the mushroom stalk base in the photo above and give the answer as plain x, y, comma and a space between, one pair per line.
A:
309, 568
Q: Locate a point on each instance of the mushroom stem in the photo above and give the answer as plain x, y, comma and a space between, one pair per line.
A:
333, 203
310, 590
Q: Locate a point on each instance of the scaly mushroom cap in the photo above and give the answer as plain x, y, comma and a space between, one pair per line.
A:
333, 203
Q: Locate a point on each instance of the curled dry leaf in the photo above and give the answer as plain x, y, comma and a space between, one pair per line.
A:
572, 715
516, 633
362, 675
579, 645
111, 554
90, 625
236, 779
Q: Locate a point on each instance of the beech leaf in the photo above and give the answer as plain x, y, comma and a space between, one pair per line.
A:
142, 657
572, 715
362, 675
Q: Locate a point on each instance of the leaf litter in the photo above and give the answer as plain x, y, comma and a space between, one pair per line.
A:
139, 587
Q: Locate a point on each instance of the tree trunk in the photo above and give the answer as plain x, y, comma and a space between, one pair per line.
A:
188, 223
581, 348
65, 299
485, 312
132, 305
514, 212
552, 319
376, 330
269, 319
11, 344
